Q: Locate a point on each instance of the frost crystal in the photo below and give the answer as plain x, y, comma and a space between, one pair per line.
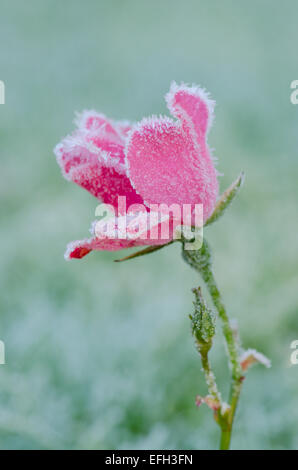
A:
159, 160
251, 357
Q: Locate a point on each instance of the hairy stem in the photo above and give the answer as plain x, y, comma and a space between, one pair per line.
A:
227, 424
209, 377
201, 261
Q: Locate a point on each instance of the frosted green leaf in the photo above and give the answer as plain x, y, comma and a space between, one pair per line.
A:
225, 199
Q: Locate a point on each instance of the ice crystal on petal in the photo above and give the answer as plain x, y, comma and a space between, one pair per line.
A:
159, 160
251, 357
210, 401
126, 231
169, 160
93, 158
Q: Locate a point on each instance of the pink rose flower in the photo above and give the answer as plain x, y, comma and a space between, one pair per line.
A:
159, 160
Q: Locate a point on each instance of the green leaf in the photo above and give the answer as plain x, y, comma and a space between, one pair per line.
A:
225, 199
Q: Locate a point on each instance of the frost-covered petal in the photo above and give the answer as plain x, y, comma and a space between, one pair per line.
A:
93, 158
251, 357
105, 183
93, 121
210, 401
80, 248
123, 127
193, 107
169, 161
127, 231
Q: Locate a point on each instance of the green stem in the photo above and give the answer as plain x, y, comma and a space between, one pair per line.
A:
201, 261
225, 439
227, 422
209, 377
227, 329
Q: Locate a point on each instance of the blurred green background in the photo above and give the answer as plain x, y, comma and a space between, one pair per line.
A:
99, 355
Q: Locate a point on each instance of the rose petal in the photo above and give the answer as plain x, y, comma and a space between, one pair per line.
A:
193, 107
128, 231
210, 401
251, 357
93, 158
80, 248
169, 162
93, 121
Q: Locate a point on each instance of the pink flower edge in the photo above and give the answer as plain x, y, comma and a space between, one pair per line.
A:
158, 160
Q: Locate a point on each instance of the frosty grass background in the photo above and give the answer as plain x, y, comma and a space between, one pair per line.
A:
99, 355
